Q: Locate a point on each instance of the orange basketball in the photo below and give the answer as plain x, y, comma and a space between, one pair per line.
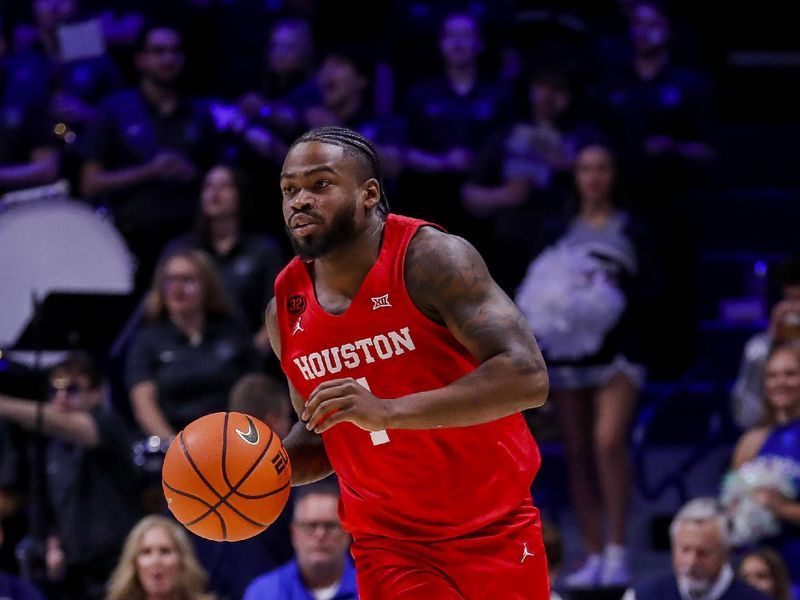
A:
226, 476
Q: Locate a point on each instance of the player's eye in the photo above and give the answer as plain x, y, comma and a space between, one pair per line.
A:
287, 190
322, 183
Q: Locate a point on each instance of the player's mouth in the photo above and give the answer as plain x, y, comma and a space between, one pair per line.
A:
303, 225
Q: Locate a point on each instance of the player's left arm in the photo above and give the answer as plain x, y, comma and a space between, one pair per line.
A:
449, 282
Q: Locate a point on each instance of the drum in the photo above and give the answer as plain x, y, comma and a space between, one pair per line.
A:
56, 246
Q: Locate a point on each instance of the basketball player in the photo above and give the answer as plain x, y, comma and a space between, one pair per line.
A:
408, 368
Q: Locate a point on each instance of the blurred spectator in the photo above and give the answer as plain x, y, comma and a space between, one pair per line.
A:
343, 83
763, 568
158, 562
247, 262
778, 437
323, 568
264, 398
514, 176
232, 566
92, 493
28, 147
582, 296
288, 86
268, 117
784, 326
533, 151
449, 119
184, 360
74, 72
700, 554
662, 110
288, 73
148, 148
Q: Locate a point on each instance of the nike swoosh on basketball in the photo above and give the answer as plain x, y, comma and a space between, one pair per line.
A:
251, 437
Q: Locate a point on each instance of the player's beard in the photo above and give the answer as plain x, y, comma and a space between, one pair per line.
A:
341, 230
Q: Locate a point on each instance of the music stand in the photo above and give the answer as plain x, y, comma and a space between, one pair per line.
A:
87, 321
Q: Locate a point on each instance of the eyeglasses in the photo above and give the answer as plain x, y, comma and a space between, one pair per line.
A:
309, 527
70, 387
176, 279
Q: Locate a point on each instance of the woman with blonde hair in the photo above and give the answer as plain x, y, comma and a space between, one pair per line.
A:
191, 349
768, 456
158, 563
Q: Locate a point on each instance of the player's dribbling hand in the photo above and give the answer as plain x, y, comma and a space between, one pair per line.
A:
340, 400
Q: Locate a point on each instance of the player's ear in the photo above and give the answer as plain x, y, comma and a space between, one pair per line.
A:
372, 193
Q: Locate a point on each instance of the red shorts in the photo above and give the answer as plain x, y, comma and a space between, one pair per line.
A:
505, 560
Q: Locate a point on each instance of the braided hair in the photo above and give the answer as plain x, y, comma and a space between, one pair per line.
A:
355, 145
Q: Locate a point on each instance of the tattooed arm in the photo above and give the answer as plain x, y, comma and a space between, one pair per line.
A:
449, 282
305, 448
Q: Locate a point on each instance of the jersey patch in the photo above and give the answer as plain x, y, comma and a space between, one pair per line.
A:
296, 304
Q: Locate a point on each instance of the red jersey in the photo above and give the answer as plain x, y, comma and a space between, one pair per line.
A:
407, 484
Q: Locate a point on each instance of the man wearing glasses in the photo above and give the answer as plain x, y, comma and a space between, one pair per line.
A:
92, 492
321, 569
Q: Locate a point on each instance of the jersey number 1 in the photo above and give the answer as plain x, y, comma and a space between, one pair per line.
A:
378, 437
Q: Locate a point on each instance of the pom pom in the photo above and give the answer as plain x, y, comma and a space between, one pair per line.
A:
571, 300
750, 520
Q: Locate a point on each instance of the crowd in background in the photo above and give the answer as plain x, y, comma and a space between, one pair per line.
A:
562, 142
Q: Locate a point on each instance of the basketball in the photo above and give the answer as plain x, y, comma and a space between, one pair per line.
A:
226, 476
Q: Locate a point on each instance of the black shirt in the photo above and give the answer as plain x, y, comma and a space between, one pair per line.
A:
248, 271
128, 132
192, 381
92, 491
440, 119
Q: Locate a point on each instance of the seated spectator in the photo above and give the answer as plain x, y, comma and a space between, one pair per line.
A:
248, 263
784, 326
700, 554
231, 567
72, 86
190, 351
345, 85
147, 150
158, 562
763, 568
449, 118
92, 493
777, 438
518, 173
28, 148
271, 116
534, 151
287, 85
322, 568
81, 81
661, 110
264, 398
343, 82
